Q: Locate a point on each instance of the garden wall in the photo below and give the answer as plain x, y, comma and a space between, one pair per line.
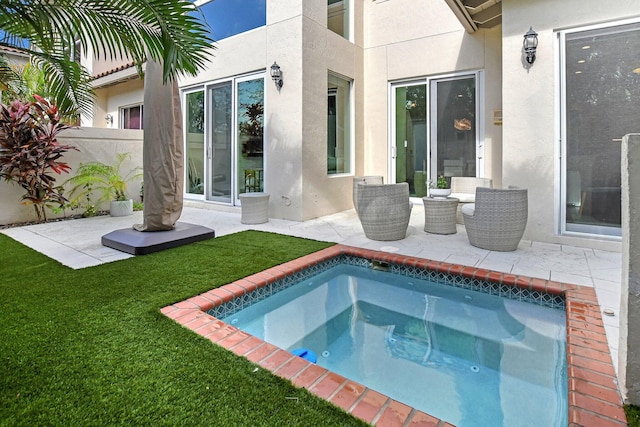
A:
94, 145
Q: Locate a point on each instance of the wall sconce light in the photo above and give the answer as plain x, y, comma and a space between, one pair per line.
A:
276, 75
530, 44
109, 119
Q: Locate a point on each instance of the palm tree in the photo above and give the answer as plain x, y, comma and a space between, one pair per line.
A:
167, 31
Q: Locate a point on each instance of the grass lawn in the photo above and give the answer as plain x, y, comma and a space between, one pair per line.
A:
90, 347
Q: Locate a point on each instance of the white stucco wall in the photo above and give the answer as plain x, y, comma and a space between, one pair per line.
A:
530, 150
295, 117
93, 145
407, 40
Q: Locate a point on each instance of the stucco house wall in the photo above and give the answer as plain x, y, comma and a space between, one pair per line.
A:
295, 117
407, 40
530, 104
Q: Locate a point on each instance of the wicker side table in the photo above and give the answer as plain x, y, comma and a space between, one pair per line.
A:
254, 208
440, 215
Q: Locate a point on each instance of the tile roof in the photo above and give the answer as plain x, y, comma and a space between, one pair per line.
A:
114, 70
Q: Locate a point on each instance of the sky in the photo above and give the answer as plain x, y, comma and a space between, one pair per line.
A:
229, 17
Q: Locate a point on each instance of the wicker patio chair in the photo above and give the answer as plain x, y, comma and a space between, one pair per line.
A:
374, 179
384, 210
497, 219
463, 188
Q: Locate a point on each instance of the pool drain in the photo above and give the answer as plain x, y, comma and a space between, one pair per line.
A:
475, 369
326, 353
234, 321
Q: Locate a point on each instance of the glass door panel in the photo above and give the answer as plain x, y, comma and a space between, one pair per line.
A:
250, 147
410, 139
602, 94
453, 133
220, 160
195, 142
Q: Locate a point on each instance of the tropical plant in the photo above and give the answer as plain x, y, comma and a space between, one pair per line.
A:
29, 151
441, 183
252, 129
167, 31
104, 178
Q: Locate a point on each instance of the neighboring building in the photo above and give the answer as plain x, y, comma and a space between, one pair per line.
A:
119, 94
411, 89
14, 58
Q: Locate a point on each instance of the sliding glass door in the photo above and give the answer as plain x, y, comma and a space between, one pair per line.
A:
225, 139
434, 130
601, 93
220, 160
454, 128
409, 144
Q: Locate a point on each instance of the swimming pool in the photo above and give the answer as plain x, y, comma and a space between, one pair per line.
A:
589, 371
463, 356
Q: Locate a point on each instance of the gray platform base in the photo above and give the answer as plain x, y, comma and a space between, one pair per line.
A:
145, 242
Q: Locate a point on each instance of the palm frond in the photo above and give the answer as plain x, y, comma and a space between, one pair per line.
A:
168, 31
165, 30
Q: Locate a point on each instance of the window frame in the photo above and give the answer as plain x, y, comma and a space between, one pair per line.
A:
121, 115
351, 128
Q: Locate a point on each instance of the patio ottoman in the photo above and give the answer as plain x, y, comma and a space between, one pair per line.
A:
440, 215
254, 208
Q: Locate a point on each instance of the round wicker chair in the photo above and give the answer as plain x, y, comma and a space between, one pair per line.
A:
373, 179
497, 219
384, 210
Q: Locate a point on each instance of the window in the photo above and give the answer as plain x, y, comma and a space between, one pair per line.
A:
131, 117
230, 17
338, 17
339, 144
599, 106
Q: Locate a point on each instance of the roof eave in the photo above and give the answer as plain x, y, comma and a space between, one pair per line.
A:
463, 16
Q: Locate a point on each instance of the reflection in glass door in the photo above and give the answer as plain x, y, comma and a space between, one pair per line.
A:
220, 159
194, 141
250, 146
453, 132
602, 92
410, 139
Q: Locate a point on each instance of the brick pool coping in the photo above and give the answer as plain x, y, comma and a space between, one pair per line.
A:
594, 399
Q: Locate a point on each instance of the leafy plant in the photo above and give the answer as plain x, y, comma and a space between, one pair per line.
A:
107, 179
168, 31
31, 79
29, 151
440, 183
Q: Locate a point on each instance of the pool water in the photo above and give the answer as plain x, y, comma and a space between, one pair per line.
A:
469, 358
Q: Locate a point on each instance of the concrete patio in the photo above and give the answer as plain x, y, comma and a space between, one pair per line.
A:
77, 244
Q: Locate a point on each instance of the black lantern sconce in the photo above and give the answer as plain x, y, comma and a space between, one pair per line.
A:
276, 75
530, 44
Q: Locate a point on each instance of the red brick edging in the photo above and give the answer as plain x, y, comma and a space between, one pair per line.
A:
594, 399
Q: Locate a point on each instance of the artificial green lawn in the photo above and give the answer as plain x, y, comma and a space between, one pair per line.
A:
90, 347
